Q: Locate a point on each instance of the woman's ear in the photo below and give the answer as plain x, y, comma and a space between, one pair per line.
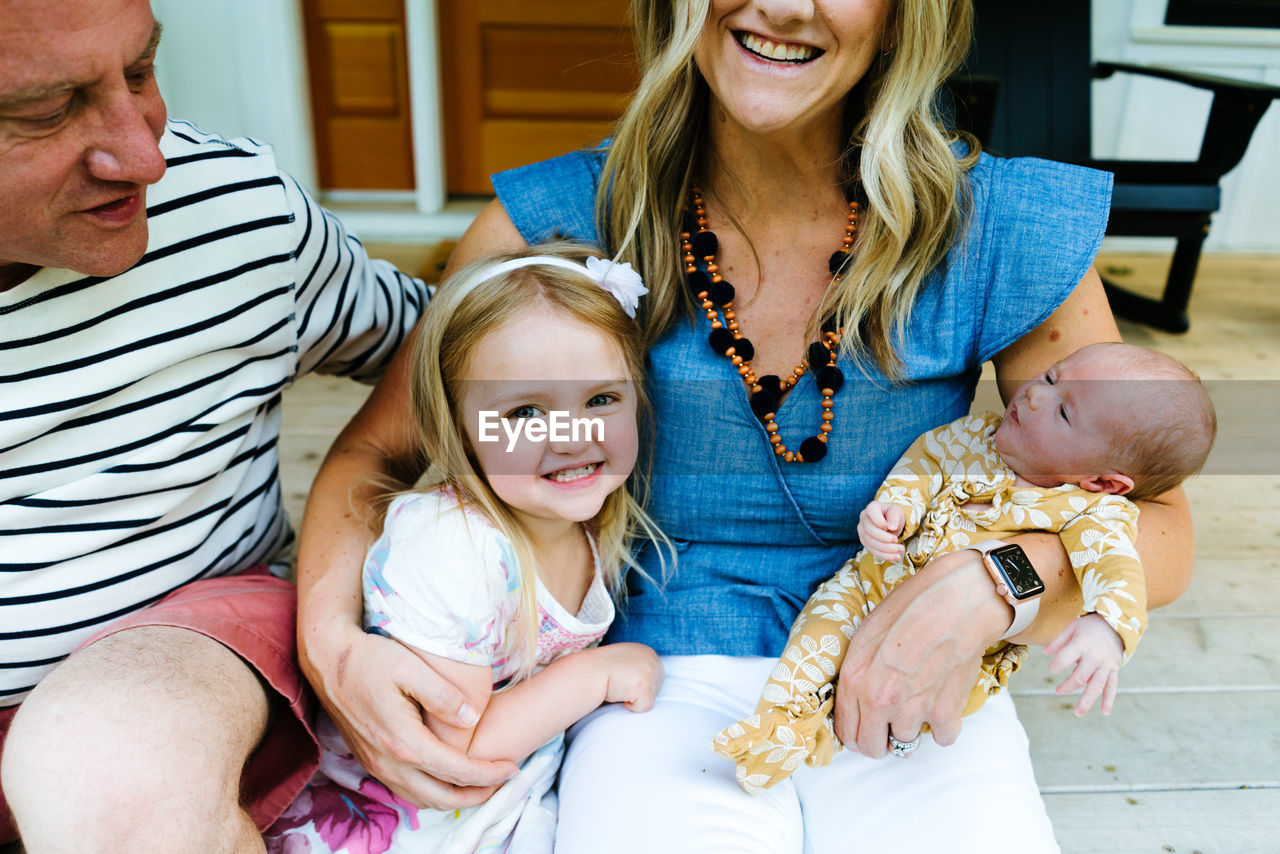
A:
1111, 482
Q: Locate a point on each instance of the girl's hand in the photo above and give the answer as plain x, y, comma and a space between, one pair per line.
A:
1097, 653
879, 526
634, 675
376, 691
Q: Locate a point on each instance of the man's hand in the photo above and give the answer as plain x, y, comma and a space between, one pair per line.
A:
879, 526
376, 692
1096, 652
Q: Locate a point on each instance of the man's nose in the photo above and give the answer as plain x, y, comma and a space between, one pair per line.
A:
125, 148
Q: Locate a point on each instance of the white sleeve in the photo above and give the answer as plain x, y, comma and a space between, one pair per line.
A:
351, 312
442, 581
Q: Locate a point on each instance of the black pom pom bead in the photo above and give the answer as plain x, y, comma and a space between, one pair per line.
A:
721, 292
698, 282
829, 325
771, 384
721, 339
837, 261
705, 243
819, 356
830, 377
813, 449
744, 348
763, 403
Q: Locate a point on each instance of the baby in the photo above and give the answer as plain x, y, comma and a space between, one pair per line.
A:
1110, 420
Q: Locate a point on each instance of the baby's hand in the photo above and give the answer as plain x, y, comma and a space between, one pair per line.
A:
635, 674
1097, 652
878, 528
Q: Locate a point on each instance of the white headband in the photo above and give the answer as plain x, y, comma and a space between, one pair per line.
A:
619, 280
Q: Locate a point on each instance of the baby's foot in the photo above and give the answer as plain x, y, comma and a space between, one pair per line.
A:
768, 746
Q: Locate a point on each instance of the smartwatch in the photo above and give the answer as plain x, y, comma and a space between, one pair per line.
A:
1016, 580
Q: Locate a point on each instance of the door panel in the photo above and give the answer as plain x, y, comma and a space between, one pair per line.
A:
360, 94
525, 81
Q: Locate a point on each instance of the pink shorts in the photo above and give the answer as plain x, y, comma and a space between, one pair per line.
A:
253, 614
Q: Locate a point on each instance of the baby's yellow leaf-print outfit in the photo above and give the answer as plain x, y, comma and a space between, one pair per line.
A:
938, 480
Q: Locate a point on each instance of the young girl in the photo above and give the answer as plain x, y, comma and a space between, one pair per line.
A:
500, 572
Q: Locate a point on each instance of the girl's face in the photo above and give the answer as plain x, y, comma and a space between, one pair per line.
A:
775, 65
550, 417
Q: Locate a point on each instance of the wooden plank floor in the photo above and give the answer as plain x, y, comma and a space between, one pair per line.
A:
1190, 759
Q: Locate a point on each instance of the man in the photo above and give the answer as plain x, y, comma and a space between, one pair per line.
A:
159, 288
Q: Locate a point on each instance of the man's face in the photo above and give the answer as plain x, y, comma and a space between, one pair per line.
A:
80, 116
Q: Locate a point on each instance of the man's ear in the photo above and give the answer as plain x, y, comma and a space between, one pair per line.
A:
1112, 482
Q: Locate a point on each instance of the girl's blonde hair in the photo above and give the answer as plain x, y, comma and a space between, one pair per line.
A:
895, 145
465, 308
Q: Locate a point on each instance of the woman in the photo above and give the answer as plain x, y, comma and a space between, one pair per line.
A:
767, 120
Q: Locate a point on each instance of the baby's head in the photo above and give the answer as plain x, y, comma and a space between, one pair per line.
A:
1109, 418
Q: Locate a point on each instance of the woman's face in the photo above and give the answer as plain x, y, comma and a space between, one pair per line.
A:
780, 65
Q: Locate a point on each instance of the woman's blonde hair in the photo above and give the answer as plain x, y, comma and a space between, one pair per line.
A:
465, 308
895, 145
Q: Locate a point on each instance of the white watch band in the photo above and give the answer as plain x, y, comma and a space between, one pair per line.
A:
1024, 610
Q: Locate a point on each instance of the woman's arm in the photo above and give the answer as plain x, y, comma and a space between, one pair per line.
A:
374, 689
517, 721
915, 658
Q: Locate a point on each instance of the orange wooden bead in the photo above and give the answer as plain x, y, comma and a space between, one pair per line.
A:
827, 416
826, 392
737, 360
742, 371
779, 450
771, 426
798, 370
822, 437
827, 404
715, 324
789, 457
775, 439
825, 428
755, 387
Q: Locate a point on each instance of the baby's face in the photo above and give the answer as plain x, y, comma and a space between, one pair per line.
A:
1061, 426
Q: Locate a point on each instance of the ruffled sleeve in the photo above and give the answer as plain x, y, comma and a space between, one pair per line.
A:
1037, 226
442, 580
555, 198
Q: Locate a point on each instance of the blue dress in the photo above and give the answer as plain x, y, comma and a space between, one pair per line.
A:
756, 535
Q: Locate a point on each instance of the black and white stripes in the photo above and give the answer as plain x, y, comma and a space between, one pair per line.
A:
139, 414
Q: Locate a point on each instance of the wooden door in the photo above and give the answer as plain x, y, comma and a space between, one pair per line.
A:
522, 81
360, 93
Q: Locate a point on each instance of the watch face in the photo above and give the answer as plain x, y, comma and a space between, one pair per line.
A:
1024, 581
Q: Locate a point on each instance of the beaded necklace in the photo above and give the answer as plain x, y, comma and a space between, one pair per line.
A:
710, 288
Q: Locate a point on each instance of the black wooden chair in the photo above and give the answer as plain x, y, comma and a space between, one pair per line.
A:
1039, 53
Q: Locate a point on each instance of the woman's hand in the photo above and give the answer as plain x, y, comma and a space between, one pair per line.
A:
915, 658
376, 691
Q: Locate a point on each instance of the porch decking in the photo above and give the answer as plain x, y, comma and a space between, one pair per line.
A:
1190, 759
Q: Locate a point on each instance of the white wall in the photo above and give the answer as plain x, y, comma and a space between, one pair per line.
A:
1150, 119
238, 67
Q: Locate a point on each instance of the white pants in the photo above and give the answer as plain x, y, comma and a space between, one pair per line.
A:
649, 783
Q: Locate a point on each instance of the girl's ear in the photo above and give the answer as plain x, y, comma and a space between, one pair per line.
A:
1111, 482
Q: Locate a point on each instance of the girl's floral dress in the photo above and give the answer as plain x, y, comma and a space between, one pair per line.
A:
442, 579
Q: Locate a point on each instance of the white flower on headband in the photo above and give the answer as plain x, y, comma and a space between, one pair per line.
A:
620, 280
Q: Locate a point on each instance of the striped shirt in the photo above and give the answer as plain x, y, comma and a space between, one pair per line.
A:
139, 414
